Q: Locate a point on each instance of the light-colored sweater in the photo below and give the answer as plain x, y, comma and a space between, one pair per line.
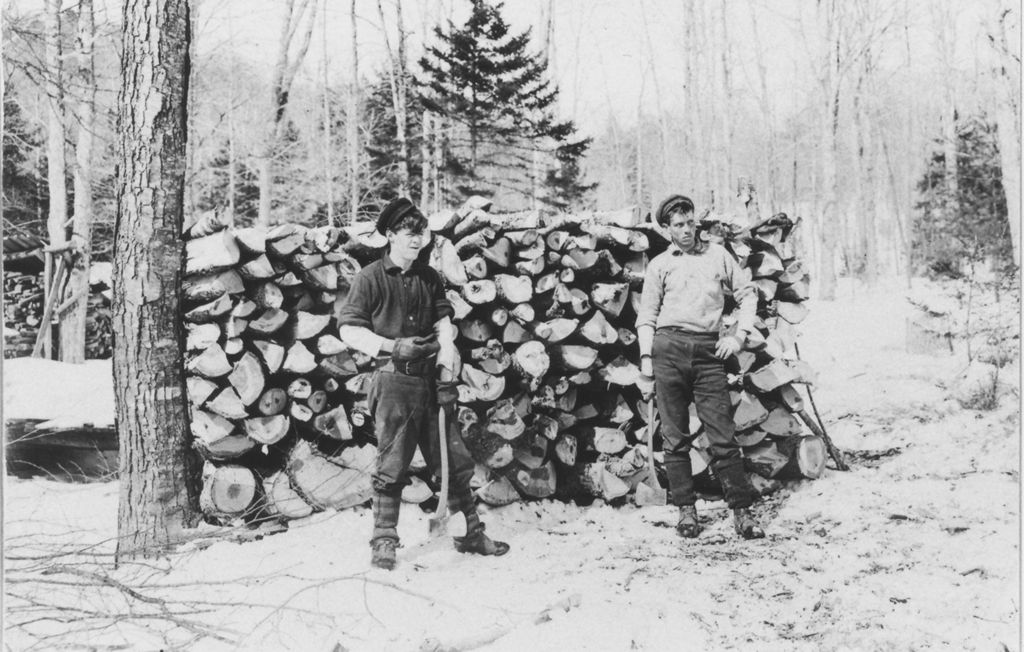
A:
687, 290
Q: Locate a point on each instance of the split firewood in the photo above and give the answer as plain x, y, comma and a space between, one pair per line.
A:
207, 287
479, 385
480, 292
475, 267
598, 330
504, 421
209, 311
476, 330
765, 459
459, 305
306, 325
211, 253
199, 389
272, 354
781, 422
752, 437
499, 316
531, 360
445, 259
499, 253
267, 430
300, 411
498, 492
227, 404
334, 424
251, 240
539, 482
306, 261
608, 440
327, 344
574, 357
206, 223
324, 484
566, 447
201, 336
299, 388
793, 292
269, 321
298, 359
211, 363
324, 277
772, 375
749, 411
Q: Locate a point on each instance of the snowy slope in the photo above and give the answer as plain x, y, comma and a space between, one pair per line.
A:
915, 548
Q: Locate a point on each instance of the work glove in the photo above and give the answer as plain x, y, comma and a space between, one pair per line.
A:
447, 392
415, 348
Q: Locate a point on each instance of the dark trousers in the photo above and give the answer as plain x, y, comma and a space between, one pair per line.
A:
687, 371
405, 415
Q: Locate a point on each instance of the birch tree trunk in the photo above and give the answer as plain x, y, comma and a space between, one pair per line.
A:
830, 212
55, 165
399, 94
352, 124
297, 18
328, 174
72, 330
1008, 119
158, 497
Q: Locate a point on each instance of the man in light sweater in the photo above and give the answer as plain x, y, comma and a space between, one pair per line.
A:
679, 327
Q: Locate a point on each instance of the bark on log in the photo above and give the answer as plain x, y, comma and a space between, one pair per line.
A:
283, 501
207, 287
325, 484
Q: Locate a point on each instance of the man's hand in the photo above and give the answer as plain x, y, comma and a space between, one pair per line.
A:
728, 345
646, 366
415, 348
447, 392
646, 381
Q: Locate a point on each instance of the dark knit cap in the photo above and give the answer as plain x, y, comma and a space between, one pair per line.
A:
394, 212
671, 204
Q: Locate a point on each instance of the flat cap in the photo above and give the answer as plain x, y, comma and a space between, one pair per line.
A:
671, 204
394, 212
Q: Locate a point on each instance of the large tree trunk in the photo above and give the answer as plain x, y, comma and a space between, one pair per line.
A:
58, 209
159, 488
72, 330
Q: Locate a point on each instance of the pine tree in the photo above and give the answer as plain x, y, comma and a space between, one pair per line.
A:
972, 225
24, 187
483, 77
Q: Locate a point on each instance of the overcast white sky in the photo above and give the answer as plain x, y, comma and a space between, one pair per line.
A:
604, 52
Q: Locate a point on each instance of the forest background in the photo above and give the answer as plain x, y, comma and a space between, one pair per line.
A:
891, 129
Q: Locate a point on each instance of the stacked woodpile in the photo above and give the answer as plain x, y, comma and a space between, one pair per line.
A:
551, 402
23, 314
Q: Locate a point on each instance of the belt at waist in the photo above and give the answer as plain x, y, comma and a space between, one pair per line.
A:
423, 367
676, 330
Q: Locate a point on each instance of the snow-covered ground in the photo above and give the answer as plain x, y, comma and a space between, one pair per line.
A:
916, 548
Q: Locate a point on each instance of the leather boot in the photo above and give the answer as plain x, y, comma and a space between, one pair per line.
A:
746, 525
688, 527
383, 553
478, 543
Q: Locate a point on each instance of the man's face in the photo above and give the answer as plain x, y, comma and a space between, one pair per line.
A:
405, 244
682, 227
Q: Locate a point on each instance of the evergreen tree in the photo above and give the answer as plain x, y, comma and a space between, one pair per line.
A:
24, 184
482, 76
972, 226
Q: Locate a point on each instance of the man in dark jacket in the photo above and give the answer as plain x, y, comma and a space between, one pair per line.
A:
678, 327
397, 312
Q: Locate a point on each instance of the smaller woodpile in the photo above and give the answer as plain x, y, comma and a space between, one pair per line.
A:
549, 403
23, 315
23, 312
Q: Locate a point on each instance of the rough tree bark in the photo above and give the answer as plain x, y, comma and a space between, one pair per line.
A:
282, 76
58, 206
72, 330
159, 488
